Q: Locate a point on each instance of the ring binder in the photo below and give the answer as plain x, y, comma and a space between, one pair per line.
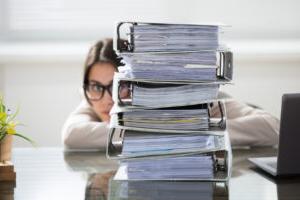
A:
193, 98
221, 172
214, 124
223, 64
119, 48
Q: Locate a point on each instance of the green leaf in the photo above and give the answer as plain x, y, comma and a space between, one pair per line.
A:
3, 130
2, 136
26, 138
2, 107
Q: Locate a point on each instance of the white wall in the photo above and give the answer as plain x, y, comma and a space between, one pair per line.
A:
263, 82
41, 70
46, 94
77, 19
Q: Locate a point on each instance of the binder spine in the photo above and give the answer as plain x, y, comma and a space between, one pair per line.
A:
129, 47
131, 84
224, 65
216, 124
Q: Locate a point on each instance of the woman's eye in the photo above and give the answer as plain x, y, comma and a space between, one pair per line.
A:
96, 88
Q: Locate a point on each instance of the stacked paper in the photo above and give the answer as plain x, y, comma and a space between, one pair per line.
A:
169, 95
192, 66
163, 143
178, 119
191, 167
168, 37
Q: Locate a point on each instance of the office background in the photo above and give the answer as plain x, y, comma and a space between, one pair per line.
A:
43, 45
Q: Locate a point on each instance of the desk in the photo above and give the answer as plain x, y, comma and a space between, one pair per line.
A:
49, 173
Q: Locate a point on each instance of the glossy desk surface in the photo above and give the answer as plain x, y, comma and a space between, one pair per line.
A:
50, 173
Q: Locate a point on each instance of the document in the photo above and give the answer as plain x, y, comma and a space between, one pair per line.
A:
174, 37
160, 144
188, 167
180, 118
169, 95
192, 66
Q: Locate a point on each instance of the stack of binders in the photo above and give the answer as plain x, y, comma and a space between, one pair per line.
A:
162, 126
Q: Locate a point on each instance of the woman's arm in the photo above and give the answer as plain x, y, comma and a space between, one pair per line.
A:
249, 126
83, 129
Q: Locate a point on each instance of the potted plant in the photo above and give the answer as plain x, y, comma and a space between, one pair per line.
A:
7, 131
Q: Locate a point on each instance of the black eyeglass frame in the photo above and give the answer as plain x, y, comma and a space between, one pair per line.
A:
107, 88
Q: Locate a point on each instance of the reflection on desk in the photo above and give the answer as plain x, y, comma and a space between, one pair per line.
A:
49, 173
103, 187
167, 190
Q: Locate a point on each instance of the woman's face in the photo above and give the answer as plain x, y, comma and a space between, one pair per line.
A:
102, 73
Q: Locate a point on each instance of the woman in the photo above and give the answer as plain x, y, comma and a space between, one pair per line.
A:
87, 126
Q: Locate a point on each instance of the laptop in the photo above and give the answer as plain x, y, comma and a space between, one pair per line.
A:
287, 161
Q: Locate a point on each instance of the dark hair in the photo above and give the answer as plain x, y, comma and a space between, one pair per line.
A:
101, 52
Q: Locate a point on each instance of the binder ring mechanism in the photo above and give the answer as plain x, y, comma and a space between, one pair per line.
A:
125, 89
219, 123
123, 45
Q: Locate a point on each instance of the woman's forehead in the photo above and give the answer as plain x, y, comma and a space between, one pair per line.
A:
102, 72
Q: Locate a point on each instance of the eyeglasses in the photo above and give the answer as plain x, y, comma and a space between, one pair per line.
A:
94, 90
